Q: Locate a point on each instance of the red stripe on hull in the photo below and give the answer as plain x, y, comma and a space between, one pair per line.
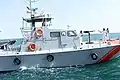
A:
110, 54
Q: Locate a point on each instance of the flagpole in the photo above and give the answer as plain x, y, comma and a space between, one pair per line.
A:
31, 8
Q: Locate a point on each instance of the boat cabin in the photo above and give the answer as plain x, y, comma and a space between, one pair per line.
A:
45, 38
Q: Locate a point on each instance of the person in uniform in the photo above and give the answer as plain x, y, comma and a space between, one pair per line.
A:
104, 32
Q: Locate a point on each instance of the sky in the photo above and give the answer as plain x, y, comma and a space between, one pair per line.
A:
79, 14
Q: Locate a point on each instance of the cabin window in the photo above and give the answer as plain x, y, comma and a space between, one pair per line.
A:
71, 34
54, 34
63, 33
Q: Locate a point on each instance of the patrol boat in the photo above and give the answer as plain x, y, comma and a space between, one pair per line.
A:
53, 48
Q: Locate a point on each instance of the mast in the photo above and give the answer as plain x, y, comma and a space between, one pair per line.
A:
28, 30
32, 12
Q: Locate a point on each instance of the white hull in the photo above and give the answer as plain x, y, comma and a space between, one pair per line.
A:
61, 59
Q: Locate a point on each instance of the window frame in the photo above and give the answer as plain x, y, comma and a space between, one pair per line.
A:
53, 34
75, 34
63, 33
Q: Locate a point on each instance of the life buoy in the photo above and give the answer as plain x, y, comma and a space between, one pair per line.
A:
94, 56
39, 32
50, 58
32, 47
17, 61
